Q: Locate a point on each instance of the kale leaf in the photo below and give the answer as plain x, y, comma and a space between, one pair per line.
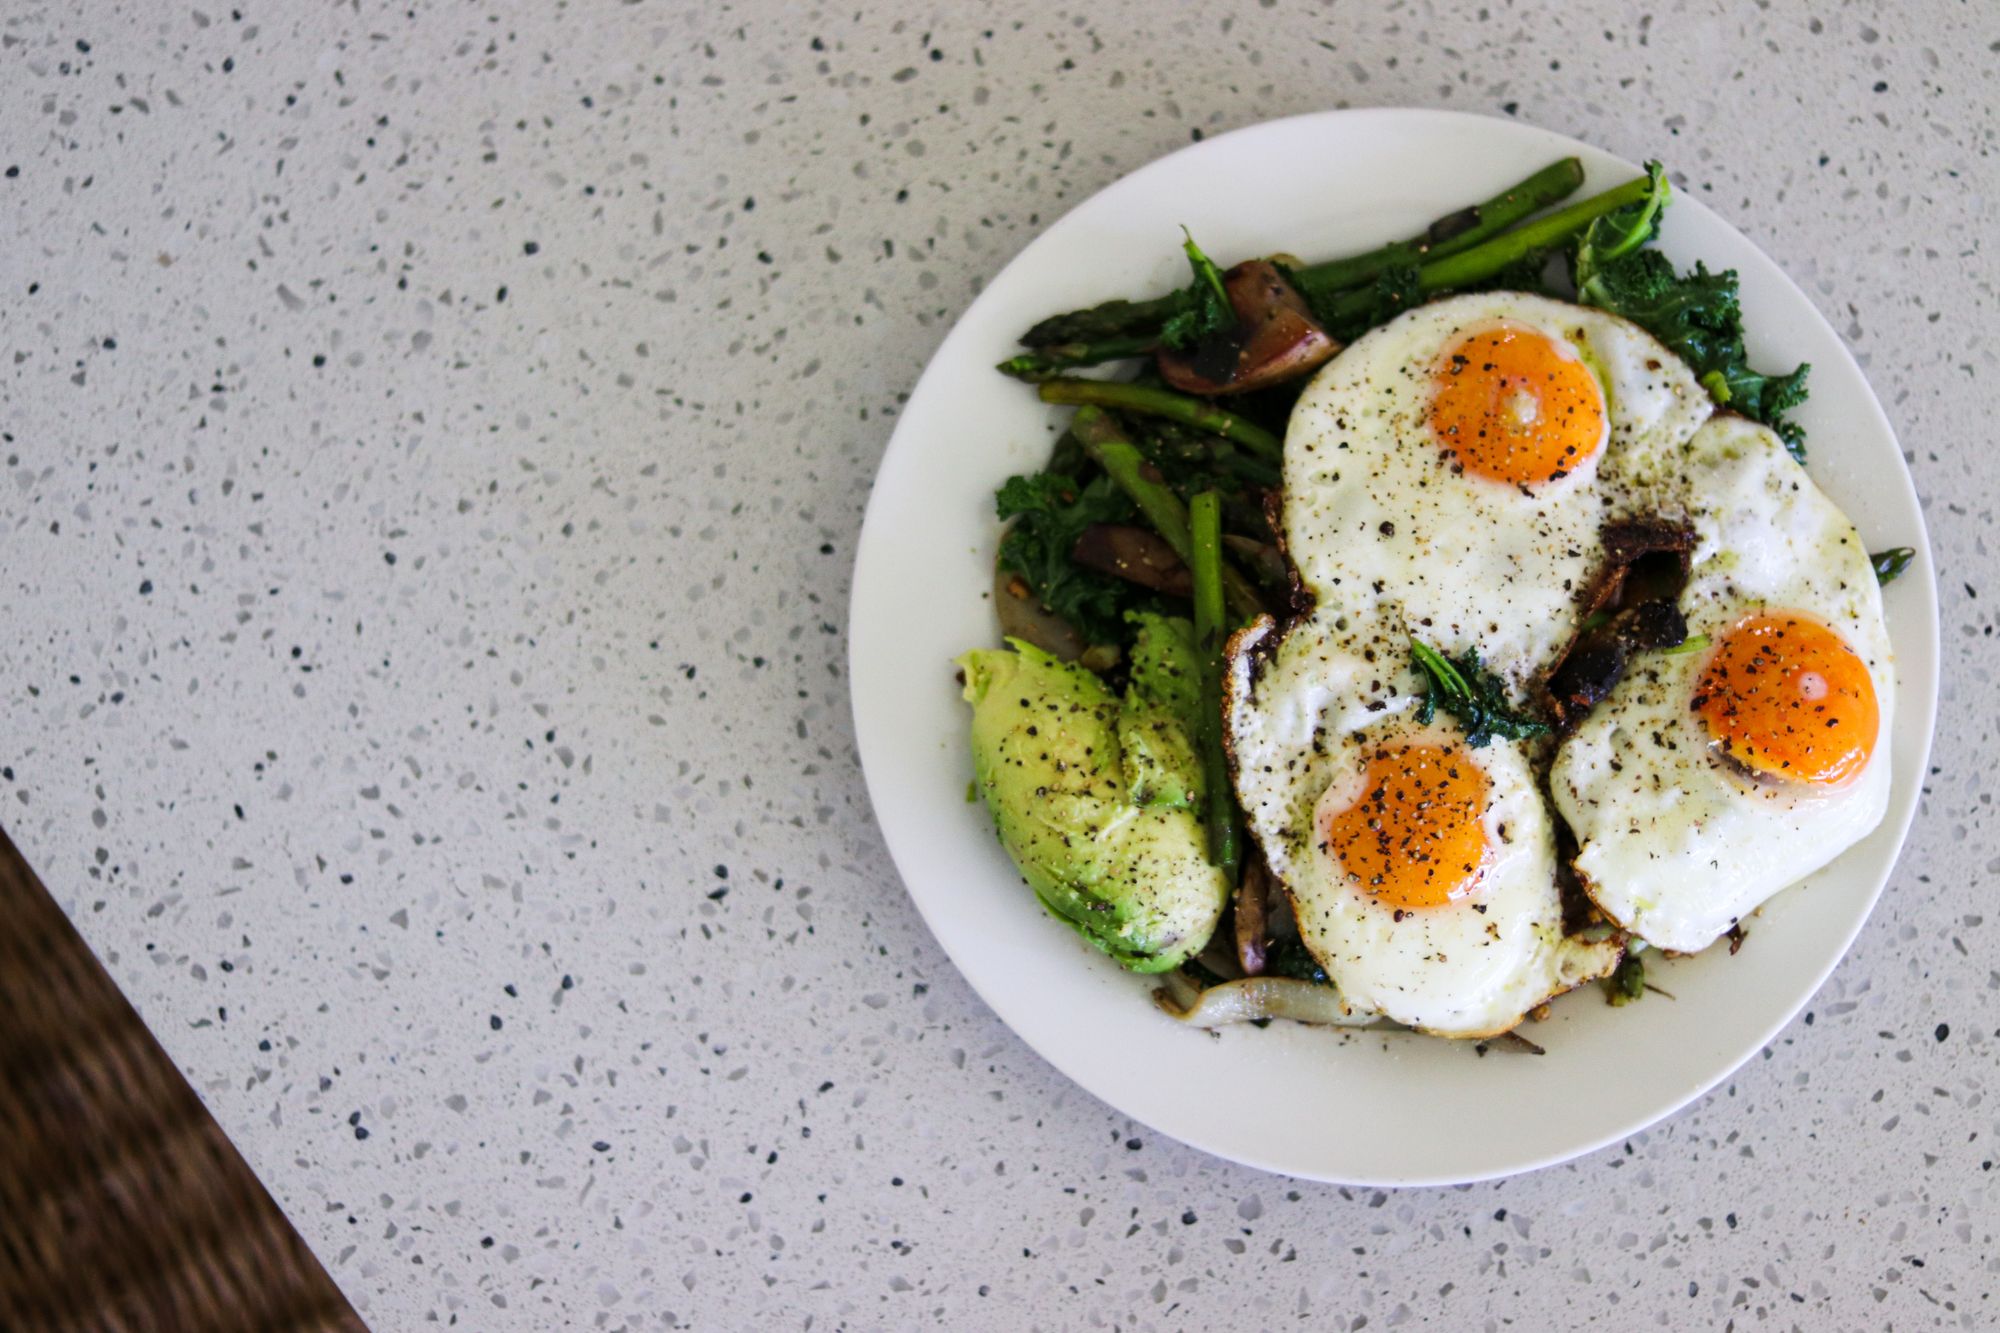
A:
1203, 307
1288, 958
1697, 315
1049, 510
1472, 694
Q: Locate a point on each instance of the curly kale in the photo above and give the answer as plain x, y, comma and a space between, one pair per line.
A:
1472, 694
1203, 307
1049, 510
1697, 315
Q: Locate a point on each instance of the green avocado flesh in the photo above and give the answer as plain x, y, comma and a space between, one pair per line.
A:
1098, 799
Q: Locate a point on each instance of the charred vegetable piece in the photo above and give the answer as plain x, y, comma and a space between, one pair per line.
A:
1272, 338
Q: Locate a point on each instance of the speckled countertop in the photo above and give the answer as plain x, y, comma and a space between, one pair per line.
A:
435, 440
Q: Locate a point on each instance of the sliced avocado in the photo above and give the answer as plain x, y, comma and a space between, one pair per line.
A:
1097, 799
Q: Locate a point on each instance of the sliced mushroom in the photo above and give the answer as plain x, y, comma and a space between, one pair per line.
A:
1275, 339
1135, 554
1252, 913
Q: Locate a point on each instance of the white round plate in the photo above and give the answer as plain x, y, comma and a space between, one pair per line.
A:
1386, 1108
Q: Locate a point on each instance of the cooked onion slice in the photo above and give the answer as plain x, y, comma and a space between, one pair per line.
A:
1254, 998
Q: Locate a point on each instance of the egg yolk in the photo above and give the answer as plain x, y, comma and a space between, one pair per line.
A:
1417, 836
1785, 696
1514, 405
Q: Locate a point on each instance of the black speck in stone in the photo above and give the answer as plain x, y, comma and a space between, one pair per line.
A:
389, 557
1188, 1218
600, 1146
1195, 135
826, 548
500, 295
1133, 1145
319, 358
12, 172
744, 1197
895, 1180
509, 988
229, 65
486, 1242
494, 1021
532, 247
1881, 86
361, 1131
83, 46
1943, 1031
567, 981
718, 895
750, 204
826, 1086
145, 587
110, 344
1511, 108
722, 872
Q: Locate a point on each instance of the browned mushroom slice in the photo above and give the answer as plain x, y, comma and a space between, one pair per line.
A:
1276, 338
1134, 554
1252, 906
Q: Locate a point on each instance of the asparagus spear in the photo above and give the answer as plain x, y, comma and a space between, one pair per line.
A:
1446, 237
1487, 258
1120, 319
1205, 531
1153, 402
1121, 459
1043, 362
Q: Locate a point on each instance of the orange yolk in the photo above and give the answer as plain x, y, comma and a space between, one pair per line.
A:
1417, 836
1785, 696
1514, 405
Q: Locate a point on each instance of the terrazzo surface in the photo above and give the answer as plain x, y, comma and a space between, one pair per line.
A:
435, 442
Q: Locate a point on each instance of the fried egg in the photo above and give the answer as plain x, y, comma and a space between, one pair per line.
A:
1445, 479
1421, 870
1448, 474
1708, 780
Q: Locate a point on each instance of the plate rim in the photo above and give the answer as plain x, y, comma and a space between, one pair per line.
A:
1903, 805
